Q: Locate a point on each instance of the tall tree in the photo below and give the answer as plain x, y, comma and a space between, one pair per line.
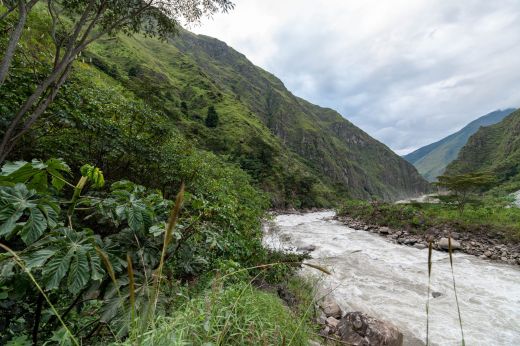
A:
462, 186
91, 19
212, 117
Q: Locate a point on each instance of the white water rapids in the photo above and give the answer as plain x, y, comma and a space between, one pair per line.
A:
389, 281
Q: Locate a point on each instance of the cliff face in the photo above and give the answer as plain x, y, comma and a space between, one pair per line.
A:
494, 148
325, 140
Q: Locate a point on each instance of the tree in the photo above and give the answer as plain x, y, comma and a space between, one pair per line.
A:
462, 186
212, 117
76, 24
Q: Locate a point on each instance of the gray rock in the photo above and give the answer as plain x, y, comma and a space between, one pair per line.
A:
356, 328
331, 309
307, 248
332, 323
384, 230
410, 241
436, 294
314, 343
488, 253
443, 244
420, 246
325, 331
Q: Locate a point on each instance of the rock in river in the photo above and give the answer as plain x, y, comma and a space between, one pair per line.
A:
356, 328
443, 244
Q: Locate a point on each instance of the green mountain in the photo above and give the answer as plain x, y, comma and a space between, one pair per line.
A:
432, 160
494, 148
301, 154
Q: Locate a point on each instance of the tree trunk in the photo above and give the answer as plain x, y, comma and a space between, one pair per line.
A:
37, 318
13, 41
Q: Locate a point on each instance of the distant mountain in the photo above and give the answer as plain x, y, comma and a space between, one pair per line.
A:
432, 160
494, 148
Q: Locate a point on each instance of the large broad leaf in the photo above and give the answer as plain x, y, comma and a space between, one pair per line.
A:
8, 218
24, 212
34, 227
38, 258
66, 256
135, 217
79, 272
56, 269
35, 174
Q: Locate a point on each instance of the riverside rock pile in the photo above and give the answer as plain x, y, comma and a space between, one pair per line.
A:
355, 328
481, 245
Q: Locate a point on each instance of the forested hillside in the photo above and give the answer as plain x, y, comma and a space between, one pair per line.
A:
301, 154
432, 160
496, 149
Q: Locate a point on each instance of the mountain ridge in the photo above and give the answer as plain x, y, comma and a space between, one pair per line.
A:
495, 149
431, 160
302, 125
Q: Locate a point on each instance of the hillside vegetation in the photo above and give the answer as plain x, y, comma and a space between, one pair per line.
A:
495, 149
431, 160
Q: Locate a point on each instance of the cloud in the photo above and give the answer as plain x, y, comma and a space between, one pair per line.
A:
408, 72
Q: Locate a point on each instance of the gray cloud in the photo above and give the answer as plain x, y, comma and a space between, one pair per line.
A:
408, 72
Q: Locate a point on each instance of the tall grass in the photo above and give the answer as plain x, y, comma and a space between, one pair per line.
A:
450, 252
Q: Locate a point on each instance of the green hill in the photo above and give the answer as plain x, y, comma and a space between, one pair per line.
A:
494, 148
303, 155
432, 160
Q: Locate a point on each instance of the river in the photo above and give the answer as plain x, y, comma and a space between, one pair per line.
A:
389, 281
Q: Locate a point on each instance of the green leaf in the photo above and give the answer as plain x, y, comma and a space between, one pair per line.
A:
9, 217
38, 258
56, 270
96, 270
24, 211
34, 227
135, 218
79, 272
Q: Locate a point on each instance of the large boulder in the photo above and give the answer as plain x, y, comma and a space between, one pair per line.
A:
444, 245
356, 328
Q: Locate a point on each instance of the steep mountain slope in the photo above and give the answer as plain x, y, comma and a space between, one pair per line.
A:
302, 154
327, 142
431, 160
494, 148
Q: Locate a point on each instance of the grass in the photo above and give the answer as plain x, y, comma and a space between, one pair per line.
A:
490, 216
236, 315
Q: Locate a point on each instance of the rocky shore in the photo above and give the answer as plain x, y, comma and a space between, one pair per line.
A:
354, 328
482, 245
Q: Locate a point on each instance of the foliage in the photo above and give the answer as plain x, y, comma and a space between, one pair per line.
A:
80, 254
461, 186
73, 26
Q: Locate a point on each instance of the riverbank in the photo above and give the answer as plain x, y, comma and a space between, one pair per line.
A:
482, 245
486, 232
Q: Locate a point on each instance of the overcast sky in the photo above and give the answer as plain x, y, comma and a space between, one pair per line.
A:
408, 72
